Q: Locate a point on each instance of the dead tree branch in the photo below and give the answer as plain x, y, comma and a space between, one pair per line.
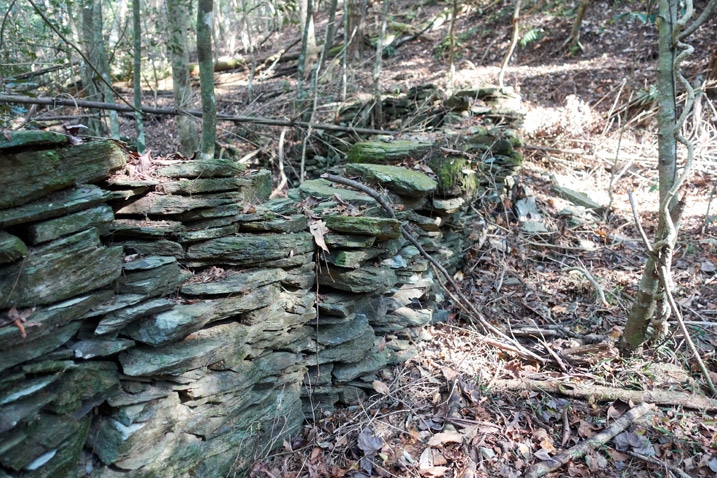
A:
196, 113
579, 450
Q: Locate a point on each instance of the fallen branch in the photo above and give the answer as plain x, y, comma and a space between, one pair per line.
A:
579, 450
175, 112
511, 344
601, 393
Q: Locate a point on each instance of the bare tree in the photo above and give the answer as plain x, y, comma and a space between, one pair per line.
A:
206, 78
177, 15
136, 78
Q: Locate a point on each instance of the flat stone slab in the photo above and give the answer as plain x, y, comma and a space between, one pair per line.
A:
204, 348
323, 189
205, 234
11, 247
295, 223
403, 181
45, 320
158, 204
24, 138
32, 175
251, 249
59, 270
379, 227
62, 226
92, 348
359, 281
352, 259
348, 241
151, 276
240, 283
202, 168
184, 319
386, 152
145, 229
118, 319
336, 334
56, 204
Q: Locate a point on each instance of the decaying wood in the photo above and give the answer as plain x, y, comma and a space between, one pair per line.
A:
175, 112
579, 450
601, 393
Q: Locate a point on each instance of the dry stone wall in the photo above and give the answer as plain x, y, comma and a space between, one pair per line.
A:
177, 322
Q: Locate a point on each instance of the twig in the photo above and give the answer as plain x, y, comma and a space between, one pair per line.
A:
592, 280
579, 450
461, 298
655, 461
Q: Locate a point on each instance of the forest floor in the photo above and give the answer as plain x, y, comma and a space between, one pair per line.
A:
463, 408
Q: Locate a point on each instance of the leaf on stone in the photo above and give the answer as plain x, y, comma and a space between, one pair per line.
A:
368, 442
318, 229
380, 387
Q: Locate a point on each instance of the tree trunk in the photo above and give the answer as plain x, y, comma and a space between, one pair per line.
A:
355, 29
95, 51
136, 77
377, 109
650, 287
177, 13
206, 78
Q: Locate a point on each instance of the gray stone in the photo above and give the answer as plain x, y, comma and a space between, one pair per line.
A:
87, 349
183, 319
348, 241
203, 348
22, 410
349, 352
23, 138
295, 223
221, 215
151, 276
56, 204
59, 270
202, 186
204, 168
302, 277
44, 321
333, 335
145, 229
352, 259
34, 174
11, 247
252, 249
240, 283
118, 319
37, 348
205, 234
398, 179
363, 280
84, 387
154, 204
379, 227
70, 224
374, 361
323, 189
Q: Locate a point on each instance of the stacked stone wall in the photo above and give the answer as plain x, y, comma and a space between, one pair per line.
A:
174, 321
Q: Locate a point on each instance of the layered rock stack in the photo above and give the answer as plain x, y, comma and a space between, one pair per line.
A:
174, 321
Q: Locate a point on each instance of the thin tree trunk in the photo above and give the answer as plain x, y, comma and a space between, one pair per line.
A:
650, 288
328, 39
206, 78
177, 15
378, 108
513, 42
573, 40
136, 77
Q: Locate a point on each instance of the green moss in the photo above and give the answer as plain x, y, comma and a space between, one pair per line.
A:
455, 176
